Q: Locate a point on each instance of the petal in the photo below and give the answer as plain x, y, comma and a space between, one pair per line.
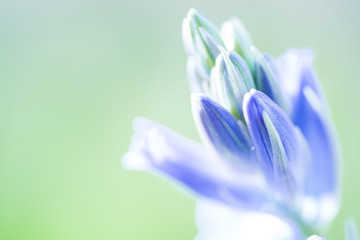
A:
322, 187
160, 150
309, 111
315, 124
221, 130
294, 70
217, 222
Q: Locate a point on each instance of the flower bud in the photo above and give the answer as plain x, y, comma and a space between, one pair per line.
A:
236, 38
220, 129
277, 142
265, 79
231, 79
201, 38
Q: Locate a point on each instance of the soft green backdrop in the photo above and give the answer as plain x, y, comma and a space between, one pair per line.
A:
73, 75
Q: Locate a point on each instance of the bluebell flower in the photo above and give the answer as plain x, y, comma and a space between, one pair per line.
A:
269, 154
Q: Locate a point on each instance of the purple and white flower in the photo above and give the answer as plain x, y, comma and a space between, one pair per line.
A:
269, 157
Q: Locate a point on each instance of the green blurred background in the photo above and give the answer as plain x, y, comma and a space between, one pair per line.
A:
74, 74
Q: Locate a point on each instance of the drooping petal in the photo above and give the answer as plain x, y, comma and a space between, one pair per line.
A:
158, 149
276, 141
221, 130
218, 222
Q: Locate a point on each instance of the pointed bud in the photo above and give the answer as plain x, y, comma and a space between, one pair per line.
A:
236, 38
201, 38
275, 139
221, 130
230, 81
265, 79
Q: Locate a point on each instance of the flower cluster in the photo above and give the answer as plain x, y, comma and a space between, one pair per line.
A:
268, 164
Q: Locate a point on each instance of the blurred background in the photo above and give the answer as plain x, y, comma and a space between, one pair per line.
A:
74, 74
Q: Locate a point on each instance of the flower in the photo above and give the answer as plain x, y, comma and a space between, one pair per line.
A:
268, 151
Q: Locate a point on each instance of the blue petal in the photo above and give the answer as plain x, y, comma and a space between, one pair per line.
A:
310, 113
276, 141
315, 124
322, 182
220, 129
160, 150
294, 71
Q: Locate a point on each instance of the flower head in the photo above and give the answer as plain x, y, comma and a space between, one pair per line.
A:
268, 144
